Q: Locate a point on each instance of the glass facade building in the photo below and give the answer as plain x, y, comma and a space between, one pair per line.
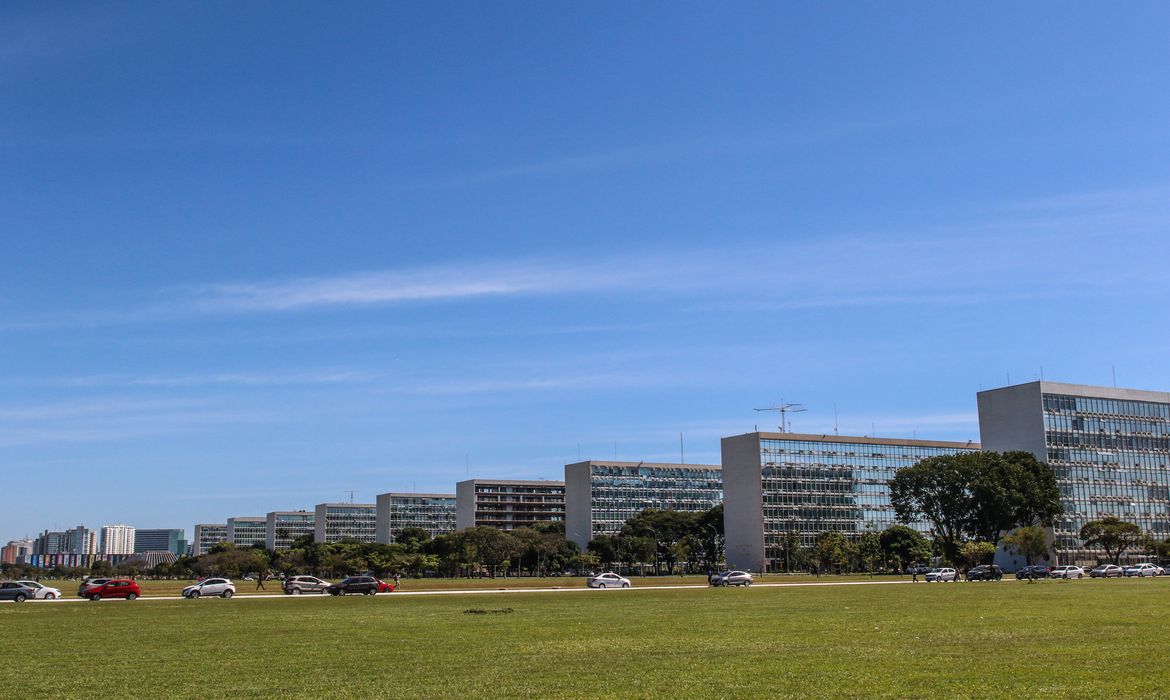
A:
206, 536
781, 483
160, 540
433, 512
506, 504
335, 522
1109, 449
247, 531
284, 526
600, 496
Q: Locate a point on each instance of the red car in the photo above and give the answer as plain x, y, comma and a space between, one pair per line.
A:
115, 588
384, 587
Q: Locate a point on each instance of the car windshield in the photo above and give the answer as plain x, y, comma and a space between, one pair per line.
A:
935, 571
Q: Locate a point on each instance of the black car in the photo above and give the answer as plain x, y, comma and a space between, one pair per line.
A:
366, 585
1034, 571
984, 572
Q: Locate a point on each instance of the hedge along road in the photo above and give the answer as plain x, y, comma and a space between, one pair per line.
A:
481, 591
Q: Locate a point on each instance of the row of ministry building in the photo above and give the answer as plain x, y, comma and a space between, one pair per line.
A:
1109, 449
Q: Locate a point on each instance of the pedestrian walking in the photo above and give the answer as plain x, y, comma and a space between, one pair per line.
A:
396, 577
260, 582
914, 571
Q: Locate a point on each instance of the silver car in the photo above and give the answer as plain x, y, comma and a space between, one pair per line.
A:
1143, 570
607, 580
41, 591
304, 584
1067, 572
220, 587
943, 574
731, 578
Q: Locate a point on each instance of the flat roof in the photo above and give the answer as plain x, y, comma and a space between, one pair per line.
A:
1089, 391
347, 505
417, 495
856, 440
666, 465
513, 482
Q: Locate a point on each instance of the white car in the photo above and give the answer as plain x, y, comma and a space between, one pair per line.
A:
1067, 572
1146, 569
40, 591
210, 587
943, 574
607, 580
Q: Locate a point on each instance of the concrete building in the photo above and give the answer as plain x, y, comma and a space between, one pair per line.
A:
51, 542
334, 522
160, 540
81, 540
247, 531
206, 536
433, 512
508, 505
116, 539
1109, 449
779, 483
600, 496
16, 551
284, 526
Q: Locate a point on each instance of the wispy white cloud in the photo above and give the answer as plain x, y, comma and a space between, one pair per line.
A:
338, 376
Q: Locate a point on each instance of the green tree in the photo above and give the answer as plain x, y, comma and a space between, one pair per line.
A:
904, 545
1111, 534
101, 567
1030, 542
667, 528
975, 552
829, 550
869, 550
605, 548
414, 539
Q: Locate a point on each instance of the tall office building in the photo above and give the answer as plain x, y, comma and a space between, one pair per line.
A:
117, 539
334, 522
601, 496
81, 540
247, 531
160, 540
508, 504
779, 483
51, 542
433, 512
1109, 449
16, 551
282, 527
206, 536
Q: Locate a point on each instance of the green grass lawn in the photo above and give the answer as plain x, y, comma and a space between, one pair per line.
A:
1053, 638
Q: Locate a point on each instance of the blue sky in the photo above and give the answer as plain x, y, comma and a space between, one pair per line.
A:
254, 257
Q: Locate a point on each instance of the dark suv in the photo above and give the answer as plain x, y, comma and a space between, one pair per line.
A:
1034, 571
366, 585
984, 572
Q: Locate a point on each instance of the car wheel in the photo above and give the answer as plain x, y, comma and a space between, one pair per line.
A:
601, 585
95, 596
625, 585
20, 597
225, 594
193, 595
295, 591
131, 596
747, 583
1080, 575
50, 596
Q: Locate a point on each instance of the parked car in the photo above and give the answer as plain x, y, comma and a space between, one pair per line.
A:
297, 585
41, 591
942, 574
15, 590
1141, 570
985, 572
1034, 571
88, 583
731, 578
607, 580
1067, 572
1107, 571
366, 585
221, 587
115, 588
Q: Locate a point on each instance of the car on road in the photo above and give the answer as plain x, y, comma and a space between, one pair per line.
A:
1034, 571
731, 578
984, 572
942, 574
607, 580
1107, 571
15, 591
221, 587
41, 591
1142, 570
1067, 572
385, 586
366, 585
115, 588
297, 585
88, 583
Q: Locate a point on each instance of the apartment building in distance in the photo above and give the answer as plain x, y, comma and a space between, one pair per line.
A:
282, 527
433, 512
1108, 448
81, 540
600, 496
508, 504
171, 540
16, 551
51, 542
244, 531
780, 483
116, 539
206, 536
335, 522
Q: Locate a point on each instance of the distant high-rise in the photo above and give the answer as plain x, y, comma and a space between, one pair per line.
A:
1108, 448
206, 536
285, 526
51, 542
117, 539
82, 540
160, 540
334, 522
247, 531
433, 512
507, 504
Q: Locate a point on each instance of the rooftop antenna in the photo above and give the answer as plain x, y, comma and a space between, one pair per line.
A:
1041, 372
835, 419
784, 409
467, 464
1114, 368
682, 453
350, 492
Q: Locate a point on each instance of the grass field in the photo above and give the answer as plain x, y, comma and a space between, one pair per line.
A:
1052, 638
